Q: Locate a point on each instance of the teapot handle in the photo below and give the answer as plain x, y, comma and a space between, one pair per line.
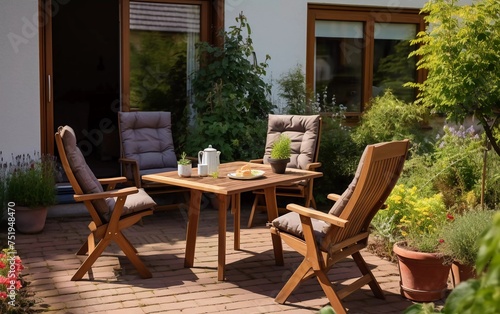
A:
200, 154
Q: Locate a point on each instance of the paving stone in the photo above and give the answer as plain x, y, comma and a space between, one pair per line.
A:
252, 278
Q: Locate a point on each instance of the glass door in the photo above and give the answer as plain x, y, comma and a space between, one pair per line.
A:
159, 58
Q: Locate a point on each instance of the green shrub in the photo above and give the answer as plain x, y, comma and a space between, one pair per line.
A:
231, 104
457, 166
388, 118
461, 236
411, 217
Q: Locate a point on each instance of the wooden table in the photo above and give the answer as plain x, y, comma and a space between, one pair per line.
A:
222, 187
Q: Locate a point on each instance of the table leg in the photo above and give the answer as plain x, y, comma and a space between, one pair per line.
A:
192, 227
223, 199
272, 213
236, 208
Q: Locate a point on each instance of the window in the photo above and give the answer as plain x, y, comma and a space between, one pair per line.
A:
354, 54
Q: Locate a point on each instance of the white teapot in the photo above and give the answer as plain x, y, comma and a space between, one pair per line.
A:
210, 157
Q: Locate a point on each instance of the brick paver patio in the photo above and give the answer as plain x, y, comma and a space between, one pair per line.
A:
252, 278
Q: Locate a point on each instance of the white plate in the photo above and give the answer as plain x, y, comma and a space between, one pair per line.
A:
255, 174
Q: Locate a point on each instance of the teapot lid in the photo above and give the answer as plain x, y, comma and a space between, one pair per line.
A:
210, 149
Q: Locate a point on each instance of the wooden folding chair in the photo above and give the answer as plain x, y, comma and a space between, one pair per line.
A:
325, 239
305, 133
111, 211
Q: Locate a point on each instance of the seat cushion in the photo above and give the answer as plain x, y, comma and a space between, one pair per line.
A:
147, 138
303, 132
84, 176
134, 203
290, 223
340, 204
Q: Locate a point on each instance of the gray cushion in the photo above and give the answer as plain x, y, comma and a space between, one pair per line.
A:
84, 176
147, 138
340, 204
134, 203
156, 170
290, 223
302, 130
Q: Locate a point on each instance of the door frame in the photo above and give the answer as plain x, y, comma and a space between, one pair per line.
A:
212, 18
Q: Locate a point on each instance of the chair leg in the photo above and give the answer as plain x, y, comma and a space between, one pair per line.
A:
277, 248
293, 282
89, 261
332, 296
360, 262
131, 253
258, 198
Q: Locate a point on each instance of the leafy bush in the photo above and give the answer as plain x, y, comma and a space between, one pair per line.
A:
339, 157
388, 118
457, 166
411, 217
461, 236
31, 181
231, 104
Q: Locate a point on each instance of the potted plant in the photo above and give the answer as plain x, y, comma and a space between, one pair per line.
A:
474, 295
461, 242
280, 154
31, 189
413, 223
184, 166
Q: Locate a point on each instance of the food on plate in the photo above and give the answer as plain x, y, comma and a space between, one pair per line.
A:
245, 171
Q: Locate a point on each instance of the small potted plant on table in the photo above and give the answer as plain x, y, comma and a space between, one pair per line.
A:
184, 166
280, 154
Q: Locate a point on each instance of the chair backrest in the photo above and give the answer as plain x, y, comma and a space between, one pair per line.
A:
378, 172
146, 137
304, 132
81, 178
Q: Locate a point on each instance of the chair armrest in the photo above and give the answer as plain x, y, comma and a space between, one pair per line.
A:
313, 166
106, 194
316, 214
333, 197
256, 161
112, 182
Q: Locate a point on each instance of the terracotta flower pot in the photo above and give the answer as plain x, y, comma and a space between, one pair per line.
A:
423, 276
30, 220
461, 272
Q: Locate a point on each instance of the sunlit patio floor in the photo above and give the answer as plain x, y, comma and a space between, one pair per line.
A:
252, 278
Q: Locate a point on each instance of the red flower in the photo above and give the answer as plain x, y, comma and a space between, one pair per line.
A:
450, 216
3, 295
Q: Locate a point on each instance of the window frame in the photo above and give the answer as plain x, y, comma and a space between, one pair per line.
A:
368, 16
208, 18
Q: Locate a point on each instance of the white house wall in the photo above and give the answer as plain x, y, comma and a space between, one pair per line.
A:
19, 77
279, 29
